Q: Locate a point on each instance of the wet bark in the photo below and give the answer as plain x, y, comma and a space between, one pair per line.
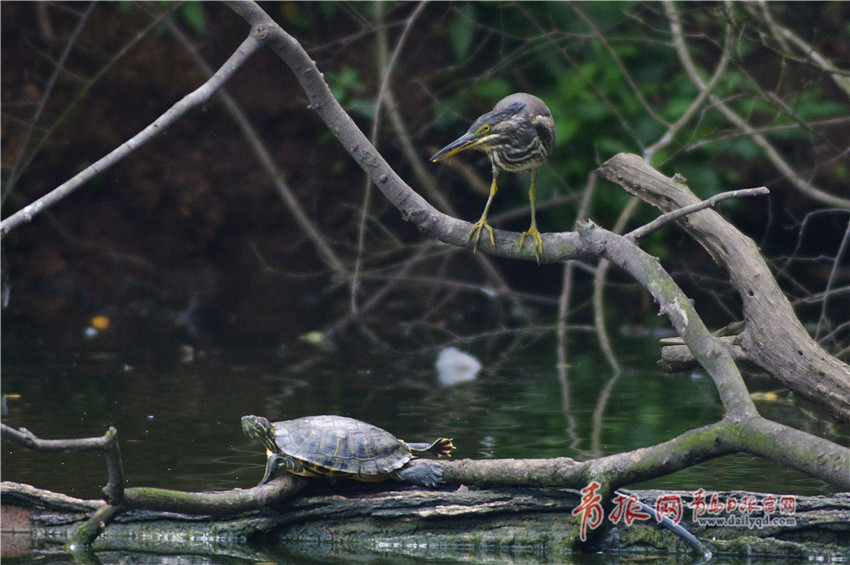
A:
337, 521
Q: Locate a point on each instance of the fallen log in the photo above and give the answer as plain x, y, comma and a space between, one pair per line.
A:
348, 519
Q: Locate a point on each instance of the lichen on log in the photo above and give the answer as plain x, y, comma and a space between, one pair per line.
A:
375, 519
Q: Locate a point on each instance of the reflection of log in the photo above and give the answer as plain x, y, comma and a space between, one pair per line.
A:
371, 519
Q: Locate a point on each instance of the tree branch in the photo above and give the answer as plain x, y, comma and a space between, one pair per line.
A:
265, 158
412, 206
190, 101
719, 72
671, 217
774, 338
108, 443
770, 152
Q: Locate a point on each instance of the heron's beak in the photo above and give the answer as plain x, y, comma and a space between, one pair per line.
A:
464, 142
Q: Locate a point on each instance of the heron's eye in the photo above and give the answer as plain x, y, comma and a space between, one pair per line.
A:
484, 129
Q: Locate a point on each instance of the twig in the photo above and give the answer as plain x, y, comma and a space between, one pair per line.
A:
833, 276
266, 159
670, 217
384, 71
191, 100
375, 298
108, 443
731, 135
600, 274
770, 151
686, 116
636, 91
20, 167
48, 90
784, 35
564, 299
569, 266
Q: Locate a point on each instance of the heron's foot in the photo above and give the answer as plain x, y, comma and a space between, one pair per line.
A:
476, 230
534, 234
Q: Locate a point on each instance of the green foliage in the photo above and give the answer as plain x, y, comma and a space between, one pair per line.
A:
293, 15
461, 33
349, 90
610, 76
492, 89
192, 13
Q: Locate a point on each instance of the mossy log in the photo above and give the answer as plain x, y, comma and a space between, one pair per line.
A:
352, 519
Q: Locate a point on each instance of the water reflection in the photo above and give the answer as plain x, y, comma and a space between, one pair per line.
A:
179, 426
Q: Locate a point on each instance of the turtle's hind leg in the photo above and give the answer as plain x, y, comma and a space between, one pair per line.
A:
422, 473
442, 447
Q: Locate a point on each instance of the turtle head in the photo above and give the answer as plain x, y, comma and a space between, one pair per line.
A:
260, 429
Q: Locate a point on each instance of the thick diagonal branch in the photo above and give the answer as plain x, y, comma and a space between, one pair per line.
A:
773, 338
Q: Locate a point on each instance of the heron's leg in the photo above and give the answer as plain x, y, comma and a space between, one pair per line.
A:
532, 231
482, 222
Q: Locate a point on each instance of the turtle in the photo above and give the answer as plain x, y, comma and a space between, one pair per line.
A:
342, 447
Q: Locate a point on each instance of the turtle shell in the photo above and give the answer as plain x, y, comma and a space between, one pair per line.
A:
340, 446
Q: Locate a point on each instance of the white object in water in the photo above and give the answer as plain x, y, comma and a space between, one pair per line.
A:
454, 366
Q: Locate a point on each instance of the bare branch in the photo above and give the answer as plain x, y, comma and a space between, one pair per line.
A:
785, 36
180, 109
770, 151
774, 337
48, 90
385, 69
215, 503
833, 275
686, 116
108, 443
670, 217
627, 76
23, 161
757, 436
266, 159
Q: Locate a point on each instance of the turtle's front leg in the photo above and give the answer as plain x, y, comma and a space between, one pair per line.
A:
271, 468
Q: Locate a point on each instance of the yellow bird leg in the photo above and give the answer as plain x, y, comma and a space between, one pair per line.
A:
532, 231
482, 222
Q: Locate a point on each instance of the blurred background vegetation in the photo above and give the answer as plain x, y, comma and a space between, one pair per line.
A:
188, 242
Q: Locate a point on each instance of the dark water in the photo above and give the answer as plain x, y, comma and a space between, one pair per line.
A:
178, 422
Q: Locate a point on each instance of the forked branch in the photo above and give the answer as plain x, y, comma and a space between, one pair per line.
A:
773, 338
